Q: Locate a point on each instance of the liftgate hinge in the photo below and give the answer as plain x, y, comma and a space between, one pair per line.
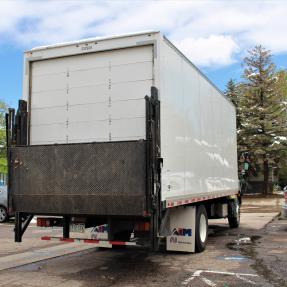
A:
159, 162
154, 201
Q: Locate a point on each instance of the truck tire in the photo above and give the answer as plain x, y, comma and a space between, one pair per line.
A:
201, 228
3, 214
123, 235
233, 213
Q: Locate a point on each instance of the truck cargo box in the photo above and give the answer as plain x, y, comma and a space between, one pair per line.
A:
90, 128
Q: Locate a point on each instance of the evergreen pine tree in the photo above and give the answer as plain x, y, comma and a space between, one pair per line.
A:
262, 131
233, 93
281, 84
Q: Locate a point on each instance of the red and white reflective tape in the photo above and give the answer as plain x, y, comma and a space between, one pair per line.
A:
178, 202
100, 243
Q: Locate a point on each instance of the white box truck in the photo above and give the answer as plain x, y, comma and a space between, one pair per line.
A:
123, 132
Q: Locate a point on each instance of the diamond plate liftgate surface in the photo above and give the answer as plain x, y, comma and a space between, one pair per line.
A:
80, 179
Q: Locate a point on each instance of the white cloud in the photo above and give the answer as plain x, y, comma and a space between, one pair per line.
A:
211, 33
211, 51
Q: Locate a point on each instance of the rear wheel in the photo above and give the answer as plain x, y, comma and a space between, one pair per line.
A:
123, 235
233, 213
3, 214
201, 228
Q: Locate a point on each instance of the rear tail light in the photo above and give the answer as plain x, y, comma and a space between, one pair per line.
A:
142, 226
43, 222
49, 221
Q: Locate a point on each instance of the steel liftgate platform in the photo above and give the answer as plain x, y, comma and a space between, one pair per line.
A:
80, 179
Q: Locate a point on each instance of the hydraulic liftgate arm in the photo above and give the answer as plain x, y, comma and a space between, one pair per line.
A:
153, 164
16, 134
9, 126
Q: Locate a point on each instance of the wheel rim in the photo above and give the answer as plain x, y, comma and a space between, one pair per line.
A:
2, 214
202, 228
237, 208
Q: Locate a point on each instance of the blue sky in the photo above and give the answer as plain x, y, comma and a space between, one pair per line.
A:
214, 34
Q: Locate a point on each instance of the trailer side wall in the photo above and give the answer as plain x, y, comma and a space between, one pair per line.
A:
198, 131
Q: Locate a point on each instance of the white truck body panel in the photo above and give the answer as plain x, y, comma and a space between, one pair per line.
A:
198, 131
94, 91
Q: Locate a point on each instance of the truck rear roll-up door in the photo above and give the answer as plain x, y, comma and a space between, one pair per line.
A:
90, 97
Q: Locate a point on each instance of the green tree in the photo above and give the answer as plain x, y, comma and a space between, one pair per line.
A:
3, 159
281, 85
233, 93
263, 130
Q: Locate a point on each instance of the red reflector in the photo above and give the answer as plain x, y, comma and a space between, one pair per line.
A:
91, 241
67, 239
146, 214
39, 222
46, 238
142, 226
117, 243
146, 226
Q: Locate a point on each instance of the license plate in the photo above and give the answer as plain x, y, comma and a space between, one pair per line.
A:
77, 227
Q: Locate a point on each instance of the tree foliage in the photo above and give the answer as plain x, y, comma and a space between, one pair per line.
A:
261, 111
3, 160
233, 92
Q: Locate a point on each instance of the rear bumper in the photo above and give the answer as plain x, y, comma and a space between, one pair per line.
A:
97, 243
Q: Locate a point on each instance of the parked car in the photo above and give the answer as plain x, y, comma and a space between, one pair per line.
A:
3, 204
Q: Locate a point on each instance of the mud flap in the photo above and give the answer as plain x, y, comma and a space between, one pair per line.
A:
182, 229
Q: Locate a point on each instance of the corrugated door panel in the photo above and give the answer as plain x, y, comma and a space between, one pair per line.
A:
121, 129
88, 77
56, 132
128, 109
131, 55
129, 90
46, 116
49, 67
50, 82
82, 113
49, 98
90, 131
88, 61
89, 94
97, 96
131, 72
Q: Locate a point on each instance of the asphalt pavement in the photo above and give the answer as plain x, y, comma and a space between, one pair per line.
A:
253, 255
